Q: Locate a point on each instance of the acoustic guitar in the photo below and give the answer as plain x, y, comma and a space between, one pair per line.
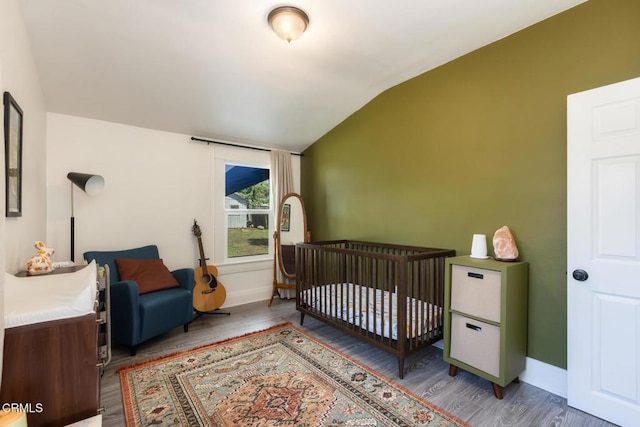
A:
208, 294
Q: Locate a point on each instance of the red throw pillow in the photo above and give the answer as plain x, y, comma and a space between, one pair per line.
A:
150, 274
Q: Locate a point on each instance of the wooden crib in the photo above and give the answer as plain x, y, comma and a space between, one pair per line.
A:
355, 286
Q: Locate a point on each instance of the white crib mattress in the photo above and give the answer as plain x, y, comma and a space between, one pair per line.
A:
35, 299
368, 308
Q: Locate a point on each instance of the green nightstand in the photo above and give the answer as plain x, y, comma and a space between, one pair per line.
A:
485, 326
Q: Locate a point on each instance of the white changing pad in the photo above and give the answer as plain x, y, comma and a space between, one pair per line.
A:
35, 299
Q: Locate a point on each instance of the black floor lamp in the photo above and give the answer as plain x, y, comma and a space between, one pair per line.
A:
90, 184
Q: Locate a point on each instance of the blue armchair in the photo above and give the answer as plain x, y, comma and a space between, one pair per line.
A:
136, 318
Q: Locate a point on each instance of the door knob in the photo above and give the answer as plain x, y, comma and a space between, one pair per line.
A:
580, 275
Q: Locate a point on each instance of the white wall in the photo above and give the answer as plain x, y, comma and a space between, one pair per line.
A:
19, 76
156, 184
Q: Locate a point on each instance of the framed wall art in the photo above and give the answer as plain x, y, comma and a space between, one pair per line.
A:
13, 155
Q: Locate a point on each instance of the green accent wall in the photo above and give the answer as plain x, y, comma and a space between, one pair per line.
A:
473, 145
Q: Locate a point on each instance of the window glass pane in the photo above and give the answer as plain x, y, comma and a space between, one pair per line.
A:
247, 234
248, 186
246, 194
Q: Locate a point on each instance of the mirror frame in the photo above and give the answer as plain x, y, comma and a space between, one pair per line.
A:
277, 235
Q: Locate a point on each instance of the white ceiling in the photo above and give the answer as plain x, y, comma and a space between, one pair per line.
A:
214, 69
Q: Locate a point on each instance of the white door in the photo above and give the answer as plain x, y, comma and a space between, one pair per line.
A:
603, 244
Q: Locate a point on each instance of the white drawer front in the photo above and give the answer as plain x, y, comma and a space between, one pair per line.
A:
476, 291
475, 343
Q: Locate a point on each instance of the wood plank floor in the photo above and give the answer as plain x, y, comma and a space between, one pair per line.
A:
466, 396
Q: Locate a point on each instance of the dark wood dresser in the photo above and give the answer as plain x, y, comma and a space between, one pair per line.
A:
52, 370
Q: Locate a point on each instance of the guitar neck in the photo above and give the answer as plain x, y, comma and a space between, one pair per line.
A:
203, 260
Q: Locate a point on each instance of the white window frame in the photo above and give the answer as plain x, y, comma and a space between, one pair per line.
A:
249, 211
240, 157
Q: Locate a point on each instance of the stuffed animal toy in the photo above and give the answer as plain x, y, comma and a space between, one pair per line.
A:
41, 263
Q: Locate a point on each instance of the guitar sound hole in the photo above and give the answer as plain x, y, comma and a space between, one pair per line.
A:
210, 280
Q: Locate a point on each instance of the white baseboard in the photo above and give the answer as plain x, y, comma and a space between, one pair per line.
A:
545, 376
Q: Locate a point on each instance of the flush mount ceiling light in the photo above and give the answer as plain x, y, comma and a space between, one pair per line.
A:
288, 22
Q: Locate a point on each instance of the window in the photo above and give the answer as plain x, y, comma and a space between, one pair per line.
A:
247, 211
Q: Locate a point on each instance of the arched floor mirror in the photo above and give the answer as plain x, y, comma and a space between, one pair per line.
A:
292, 229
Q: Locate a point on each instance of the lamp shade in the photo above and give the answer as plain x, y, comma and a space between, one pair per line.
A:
90, 184
288, 22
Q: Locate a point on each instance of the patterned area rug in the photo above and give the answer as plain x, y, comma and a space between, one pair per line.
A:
277, 377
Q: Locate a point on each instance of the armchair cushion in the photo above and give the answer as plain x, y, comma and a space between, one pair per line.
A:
109, 258
150, 274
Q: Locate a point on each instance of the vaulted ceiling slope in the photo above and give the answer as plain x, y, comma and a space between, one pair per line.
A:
214, 68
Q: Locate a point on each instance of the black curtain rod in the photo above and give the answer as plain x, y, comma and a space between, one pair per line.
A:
208, 141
